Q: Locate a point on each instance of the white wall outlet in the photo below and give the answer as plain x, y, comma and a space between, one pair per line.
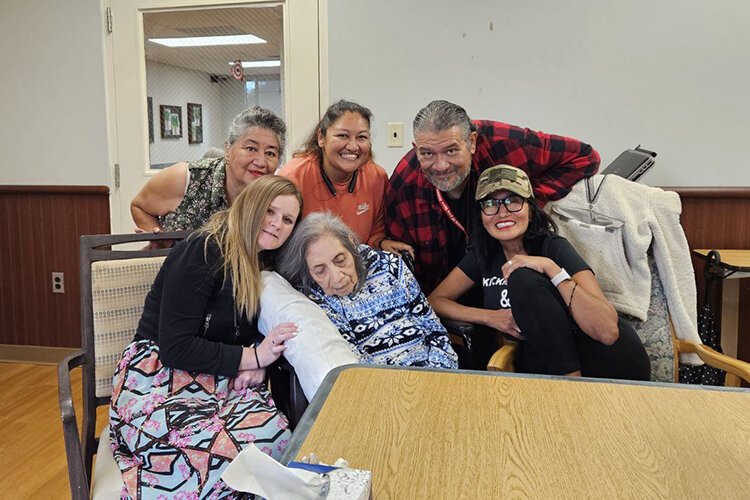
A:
395, 134
58, 283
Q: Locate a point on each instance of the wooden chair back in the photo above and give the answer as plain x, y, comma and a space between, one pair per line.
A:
114, 283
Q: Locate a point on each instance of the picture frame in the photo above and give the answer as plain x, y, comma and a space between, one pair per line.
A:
195, 123
170, 118
150, 110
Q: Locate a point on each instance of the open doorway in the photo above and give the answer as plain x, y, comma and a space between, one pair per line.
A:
180, 73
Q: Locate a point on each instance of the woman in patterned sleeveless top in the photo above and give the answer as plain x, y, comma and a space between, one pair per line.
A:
185, 195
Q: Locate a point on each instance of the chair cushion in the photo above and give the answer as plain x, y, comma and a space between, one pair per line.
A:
118, 292
107, 482
655, 332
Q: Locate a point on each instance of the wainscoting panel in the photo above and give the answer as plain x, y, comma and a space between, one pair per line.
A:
719, 218
40, 227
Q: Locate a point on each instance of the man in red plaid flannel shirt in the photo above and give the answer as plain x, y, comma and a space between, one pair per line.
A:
430, 197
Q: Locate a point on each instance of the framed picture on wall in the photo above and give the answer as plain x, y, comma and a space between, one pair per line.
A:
150, 110
170, 118
195, 123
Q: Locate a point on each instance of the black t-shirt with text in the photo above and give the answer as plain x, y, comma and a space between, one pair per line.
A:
489, 275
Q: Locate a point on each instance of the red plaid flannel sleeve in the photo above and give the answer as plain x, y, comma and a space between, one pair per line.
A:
554, 162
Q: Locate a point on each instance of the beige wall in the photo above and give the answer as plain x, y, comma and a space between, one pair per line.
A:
672, 75
52, 93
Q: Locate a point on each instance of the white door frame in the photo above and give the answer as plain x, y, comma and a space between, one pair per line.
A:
305, 85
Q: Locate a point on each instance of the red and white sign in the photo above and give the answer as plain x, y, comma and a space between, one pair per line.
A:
237, 71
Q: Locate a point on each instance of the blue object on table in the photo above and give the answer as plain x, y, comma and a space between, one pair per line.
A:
318, 468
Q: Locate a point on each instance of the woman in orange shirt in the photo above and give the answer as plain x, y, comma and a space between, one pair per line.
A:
335, 172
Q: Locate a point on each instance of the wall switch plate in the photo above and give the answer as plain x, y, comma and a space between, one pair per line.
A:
395, 134
58, 283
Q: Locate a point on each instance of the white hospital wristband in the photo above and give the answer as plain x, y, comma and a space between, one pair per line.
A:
560, 277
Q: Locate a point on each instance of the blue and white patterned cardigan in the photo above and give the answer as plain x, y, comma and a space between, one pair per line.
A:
389, 321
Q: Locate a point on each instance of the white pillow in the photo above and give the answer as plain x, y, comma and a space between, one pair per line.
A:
318, 348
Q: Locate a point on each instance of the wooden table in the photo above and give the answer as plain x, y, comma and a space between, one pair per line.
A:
731, 260
734, 265
440, 434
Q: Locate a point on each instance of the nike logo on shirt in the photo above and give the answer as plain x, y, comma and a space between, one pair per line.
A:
362, 208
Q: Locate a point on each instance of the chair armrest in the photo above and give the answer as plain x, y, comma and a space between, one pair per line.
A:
735, 368
287, 391
63, 385
458, 327
461, 329
504, 358
79, 482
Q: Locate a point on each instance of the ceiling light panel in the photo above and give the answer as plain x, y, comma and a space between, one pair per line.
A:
205, 41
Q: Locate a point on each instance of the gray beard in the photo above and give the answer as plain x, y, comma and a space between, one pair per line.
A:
449, 186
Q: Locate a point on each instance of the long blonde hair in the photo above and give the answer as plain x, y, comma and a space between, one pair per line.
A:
236, 231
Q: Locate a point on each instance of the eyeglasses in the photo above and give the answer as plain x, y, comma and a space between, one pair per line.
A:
491, 206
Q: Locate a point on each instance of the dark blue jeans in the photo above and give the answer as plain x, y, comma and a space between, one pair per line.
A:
555, 345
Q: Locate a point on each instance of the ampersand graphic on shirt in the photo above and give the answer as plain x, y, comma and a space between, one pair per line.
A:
504, 300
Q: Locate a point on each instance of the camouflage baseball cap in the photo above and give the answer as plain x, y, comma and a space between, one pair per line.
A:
504, 177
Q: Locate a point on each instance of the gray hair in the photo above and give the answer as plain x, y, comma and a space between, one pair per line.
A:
442, 115
257, 117
292, 263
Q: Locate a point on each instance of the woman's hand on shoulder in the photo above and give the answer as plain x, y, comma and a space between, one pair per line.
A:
249, 378
542, 265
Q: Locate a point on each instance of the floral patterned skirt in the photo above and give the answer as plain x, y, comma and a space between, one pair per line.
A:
174, 432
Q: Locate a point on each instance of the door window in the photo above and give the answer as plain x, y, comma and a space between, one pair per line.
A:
204, 66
